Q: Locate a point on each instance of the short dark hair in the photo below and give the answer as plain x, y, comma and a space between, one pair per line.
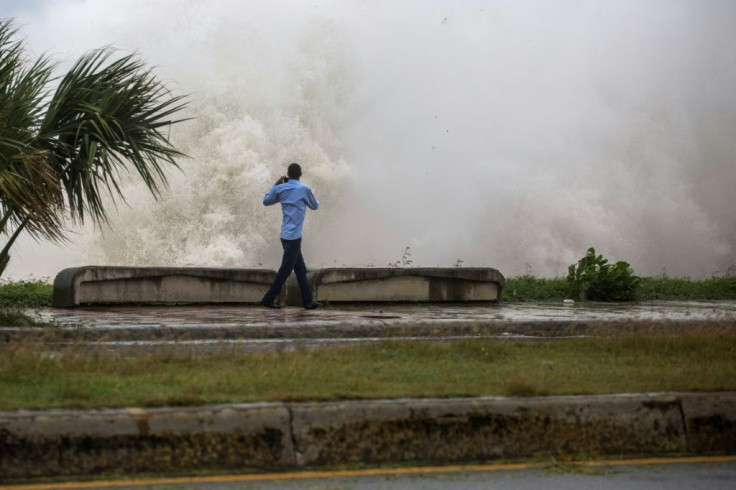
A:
294, 171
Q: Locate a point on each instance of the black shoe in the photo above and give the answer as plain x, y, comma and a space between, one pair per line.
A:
270, 304
312, 305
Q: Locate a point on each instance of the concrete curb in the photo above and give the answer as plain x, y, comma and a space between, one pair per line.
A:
288, 435
70, 442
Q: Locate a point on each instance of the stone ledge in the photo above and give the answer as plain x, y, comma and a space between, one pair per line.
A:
395, 284
91, 285
287, 435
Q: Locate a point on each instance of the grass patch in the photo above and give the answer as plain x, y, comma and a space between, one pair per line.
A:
531, 288
703, 361
12, 317
522, 385
25, 294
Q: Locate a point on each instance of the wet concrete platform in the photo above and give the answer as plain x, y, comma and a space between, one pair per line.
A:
217, 315
204, 329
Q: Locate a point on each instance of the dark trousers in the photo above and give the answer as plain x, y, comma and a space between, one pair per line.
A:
292, 261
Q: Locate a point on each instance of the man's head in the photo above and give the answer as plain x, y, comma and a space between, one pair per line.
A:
294, 171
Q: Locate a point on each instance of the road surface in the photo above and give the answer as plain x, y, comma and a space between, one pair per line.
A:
712, 473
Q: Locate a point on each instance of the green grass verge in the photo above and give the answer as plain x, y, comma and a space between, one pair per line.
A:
635, 363
25, 294
530, 288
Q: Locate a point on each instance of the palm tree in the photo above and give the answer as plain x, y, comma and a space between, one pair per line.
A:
64, 141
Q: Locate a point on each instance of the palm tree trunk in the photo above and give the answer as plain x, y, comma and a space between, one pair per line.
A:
4, 221
4, 257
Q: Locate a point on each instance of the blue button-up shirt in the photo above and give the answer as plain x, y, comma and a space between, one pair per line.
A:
294, 197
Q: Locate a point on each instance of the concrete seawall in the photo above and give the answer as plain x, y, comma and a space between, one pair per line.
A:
91, 285
395, 284
97, 285
289, 435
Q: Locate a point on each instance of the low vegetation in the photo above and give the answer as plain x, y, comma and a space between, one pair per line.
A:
701, 360
13, 317
593, 278
25, 294
19, 296
684, 289
530, 288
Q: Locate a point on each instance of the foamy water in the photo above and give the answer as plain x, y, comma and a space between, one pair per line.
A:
511, 135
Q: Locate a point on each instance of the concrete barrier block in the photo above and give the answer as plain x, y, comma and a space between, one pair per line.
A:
351, 285
485, 428
154, 285
710, 419
134, 440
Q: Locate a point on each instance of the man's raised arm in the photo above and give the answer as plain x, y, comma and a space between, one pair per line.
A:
311, 201
271, 197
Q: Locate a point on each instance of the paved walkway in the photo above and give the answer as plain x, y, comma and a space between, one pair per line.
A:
194, 316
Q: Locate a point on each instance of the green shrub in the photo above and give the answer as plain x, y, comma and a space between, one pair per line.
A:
25, 294
593, 278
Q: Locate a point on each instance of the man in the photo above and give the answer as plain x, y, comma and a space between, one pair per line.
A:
294, 197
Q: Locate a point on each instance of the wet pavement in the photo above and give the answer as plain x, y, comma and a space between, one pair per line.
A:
133, 329
193, 316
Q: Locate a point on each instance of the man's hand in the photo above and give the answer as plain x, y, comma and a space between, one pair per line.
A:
283, 179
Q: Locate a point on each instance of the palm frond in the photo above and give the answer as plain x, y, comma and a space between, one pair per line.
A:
62, 152
31, 195
29, 189
23, 88
105, 116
